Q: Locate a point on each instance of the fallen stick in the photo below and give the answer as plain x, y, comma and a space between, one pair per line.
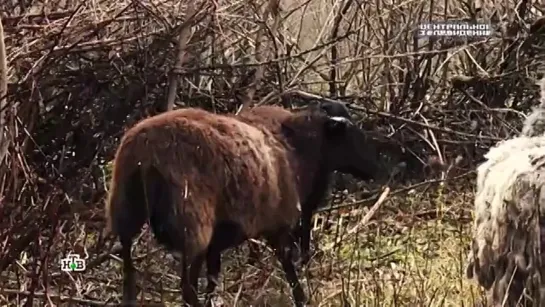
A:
363, 221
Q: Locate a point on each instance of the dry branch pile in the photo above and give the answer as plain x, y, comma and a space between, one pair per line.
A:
80, 72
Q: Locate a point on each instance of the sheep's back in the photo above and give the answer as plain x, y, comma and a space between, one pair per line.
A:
232, 167
267, 118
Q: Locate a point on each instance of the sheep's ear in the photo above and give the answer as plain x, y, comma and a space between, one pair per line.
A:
287, 129
315, 106
327, 107
335, 109
335, 126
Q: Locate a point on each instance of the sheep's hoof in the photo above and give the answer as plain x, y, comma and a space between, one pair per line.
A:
214, 301
300, 299
303, 260
211, 284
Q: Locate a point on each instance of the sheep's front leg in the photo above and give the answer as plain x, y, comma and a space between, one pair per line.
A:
282, 245
304, 236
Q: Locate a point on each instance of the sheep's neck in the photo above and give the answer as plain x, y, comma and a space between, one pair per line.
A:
311, 180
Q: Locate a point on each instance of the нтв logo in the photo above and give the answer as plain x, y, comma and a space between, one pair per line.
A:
72, 263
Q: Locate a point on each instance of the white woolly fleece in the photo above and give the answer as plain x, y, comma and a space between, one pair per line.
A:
508, 194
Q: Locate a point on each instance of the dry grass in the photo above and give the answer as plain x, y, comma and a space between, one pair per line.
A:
408, 258
412, 253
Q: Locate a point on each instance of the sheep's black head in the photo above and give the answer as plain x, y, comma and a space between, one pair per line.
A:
331, 108
334, 142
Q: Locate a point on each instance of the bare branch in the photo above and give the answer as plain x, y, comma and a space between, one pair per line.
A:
4, 139
334, 56
183, 38
273, 8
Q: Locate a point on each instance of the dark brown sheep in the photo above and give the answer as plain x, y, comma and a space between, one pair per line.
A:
167, 169
360, 160
198, 176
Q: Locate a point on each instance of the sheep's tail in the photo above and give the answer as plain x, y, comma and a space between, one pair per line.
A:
163, 209
142, 190
534, 125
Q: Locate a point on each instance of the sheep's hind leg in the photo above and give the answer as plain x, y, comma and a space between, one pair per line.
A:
282, 246
131, 227
213, 268
129, 283
190, 270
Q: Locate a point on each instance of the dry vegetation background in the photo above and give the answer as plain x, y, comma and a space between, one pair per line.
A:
80, 72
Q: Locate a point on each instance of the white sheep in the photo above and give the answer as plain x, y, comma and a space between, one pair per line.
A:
505, 255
